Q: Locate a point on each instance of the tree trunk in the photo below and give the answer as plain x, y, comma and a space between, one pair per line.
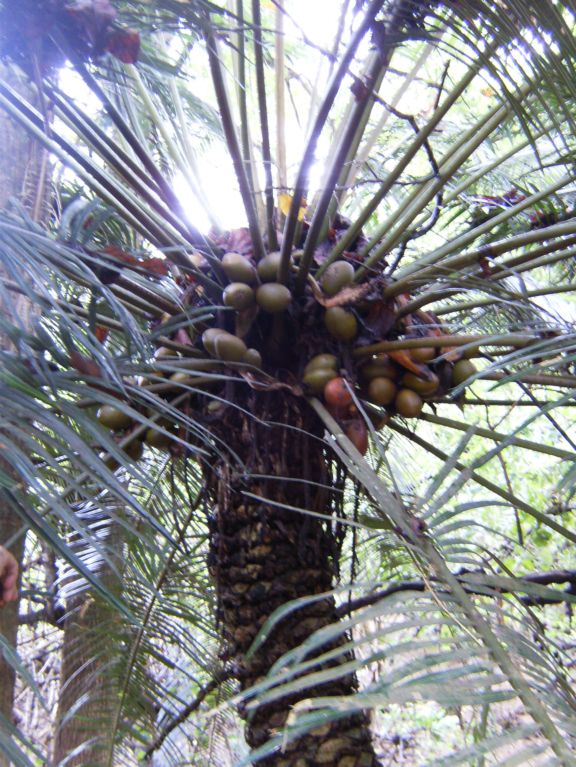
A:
23, 177
263, 556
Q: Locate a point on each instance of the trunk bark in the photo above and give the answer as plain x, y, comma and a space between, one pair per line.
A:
23, 177
263, 556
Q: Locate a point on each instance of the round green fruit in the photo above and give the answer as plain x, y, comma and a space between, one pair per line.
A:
341, 323
229, 348
238, 269
462, 371
113, 418
158, 439
379, 367
134, 450
337, 276
273, 297
253, 357
408, 403
317, 378
322, 361
209, 339
382, 391
423, 354
238, 296
268, 267
419, 385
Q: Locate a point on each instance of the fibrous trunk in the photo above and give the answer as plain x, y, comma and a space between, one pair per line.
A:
264, 555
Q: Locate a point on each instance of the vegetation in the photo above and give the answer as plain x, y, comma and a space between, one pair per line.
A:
315, 467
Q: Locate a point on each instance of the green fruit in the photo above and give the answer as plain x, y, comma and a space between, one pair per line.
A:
317, 378
423, 354
322, 361
419, 385
158, 439
382, 391
379, 367
341, 323
462, 371
229, 348
209, 339
134, 450
408, 403
273, 297
337, 276
238, 269
112, 418
253, 357
268, 267
238, 296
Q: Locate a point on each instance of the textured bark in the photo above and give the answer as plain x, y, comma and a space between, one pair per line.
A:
22, 178
263, 556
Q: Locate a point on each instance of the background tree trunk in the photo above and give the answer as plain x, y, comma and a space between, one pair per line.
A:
24, 178
263, 556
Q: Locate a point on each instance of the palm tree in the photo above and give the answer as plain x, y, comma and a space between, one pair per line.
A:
280, 398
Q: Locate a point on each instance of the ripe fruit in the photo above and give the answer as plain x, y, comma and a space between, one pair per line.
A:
408, 403
357, 433
337, 276
337, 393
229, 347
419, 385
238, 269
317, 378
238, 296
273, 297
268, 267
112, 418
322, 361
382, 391
462, 371
341, 323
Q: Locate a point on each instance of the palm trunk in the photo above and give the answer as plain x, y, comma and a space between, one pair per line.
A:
263, 556
23, 178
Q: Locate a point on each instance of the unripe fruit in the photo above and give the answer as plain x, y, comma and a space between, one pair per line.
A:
379, 367
419, 385
229, 348
238, 296
337, 393
273, 297
408, 403
382, 391
253, 357
268, 267
423, 354
322, 361
113, 418
341, 323
337, 276
317, 378
158, 439
462, 371
134, 450
209, 339
238, 269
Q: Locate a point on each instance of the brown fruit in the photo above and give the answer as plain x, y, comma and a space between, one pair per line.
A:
380, 366
337, 393
341, 323
423, 354
337, 276
408, 403
462, 371
134, 450
113, 418
382, 391
273, 297
419, 385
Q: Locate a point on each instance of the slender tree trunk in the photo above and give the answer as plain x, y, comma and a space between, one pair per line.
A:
263, 556
23, 177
